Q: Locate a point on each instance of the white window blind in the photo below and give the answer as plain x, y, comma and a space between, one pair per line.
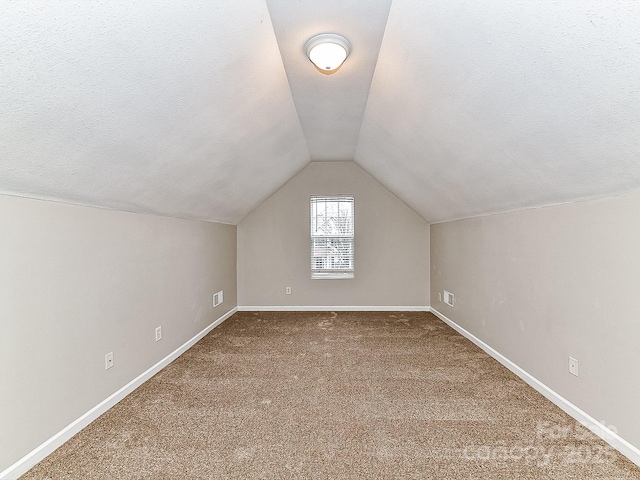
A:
332, 229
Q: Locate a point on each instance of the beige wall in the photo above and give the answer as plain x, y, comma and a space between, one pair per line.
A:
540, 285
391, 245
78, 282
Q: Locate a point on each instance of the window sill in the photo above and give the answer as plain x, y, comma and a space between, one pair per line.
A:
331, 276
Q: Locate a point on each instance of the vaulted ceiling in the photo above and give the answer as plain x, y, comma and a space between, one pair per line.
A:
202, 109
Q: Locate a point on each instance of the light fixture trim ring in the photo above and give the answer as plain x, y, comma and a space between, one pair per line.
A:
327, 38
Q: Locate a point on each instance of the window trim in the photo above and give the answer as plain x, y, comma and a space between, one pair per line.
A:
332, 273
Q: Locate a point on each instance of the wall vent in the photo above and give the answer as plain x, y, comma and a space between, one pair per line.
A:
217, 298
448, 298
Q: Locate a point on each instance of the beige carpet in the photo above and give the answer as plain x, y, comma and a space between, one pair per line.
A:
327, 395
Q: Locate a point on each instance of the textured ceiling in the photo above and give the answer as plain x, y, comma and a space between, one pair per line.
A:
488, 106
201, 109
179, 108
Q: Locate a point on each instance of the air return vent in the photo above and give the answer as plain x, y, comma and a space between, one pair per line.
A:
217, 298
448, 298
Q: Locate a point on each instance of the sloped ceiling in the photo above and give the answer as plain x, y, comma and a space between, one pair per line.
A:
488, 106
201, 109
178, 108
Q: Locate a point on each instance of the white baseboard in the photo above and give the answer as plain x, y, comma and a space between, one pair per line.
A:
608, 435
333, 308
38, 454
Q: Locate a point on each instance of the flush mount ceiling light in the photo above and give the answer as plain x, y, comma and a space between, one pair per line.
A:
328, 51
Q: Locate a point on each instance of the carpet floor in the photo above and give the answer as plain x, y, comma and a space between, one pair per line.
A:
335, 395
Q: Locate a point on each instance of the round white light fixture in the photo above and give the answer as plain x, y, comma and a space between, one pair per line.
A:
328, 51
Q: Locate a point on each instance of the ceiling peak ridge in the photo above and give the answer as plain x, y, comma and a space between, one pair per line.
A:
330, 107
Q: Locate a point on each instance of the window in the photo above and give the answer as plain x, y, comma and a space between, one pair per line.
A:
332, 229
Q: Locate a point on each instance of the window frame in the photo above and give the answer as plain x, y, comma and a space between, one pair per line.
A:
331, 272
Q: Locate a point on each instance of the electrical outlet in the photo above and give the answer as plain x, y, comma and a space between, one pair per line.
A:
158, 334
439, 296
108, 361
287, 290
218, 298
573, 366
